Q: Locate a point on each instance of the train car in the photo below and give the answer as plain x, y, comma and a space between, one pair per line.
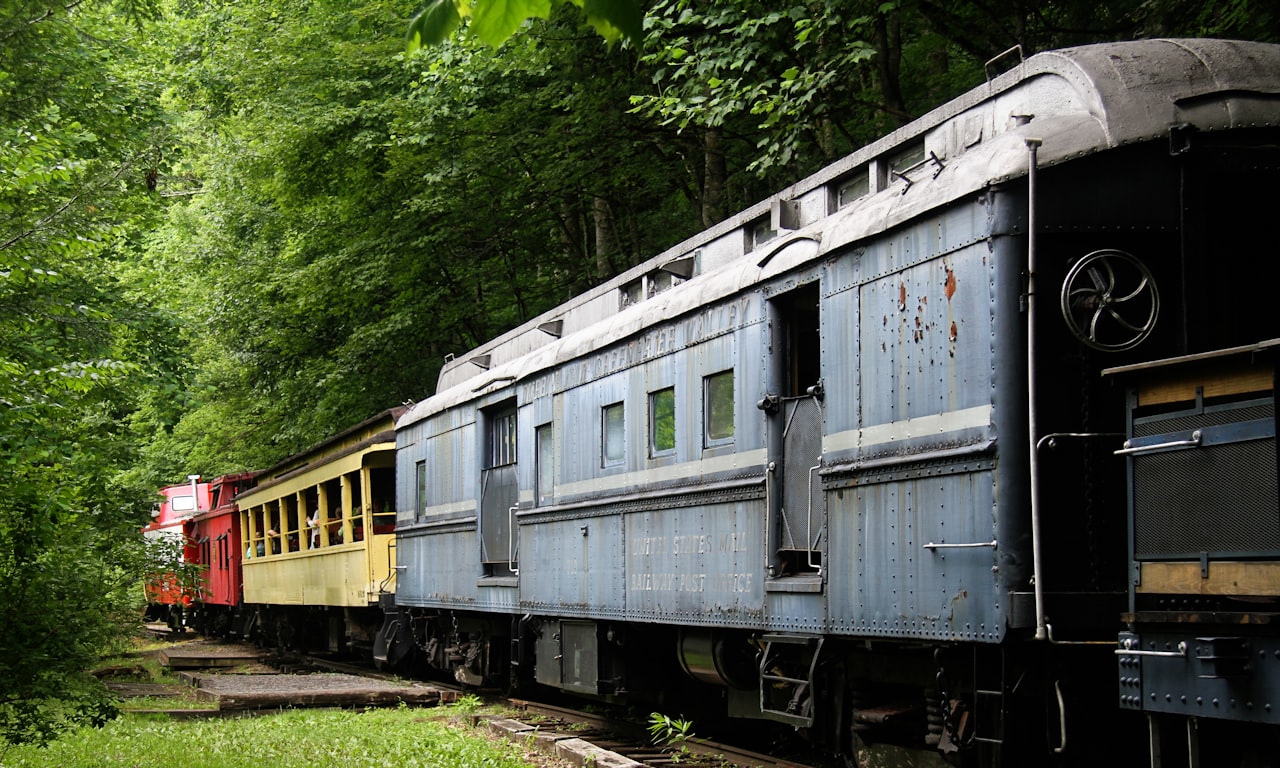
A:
877, 459
170, 594
317, 531
1201, 652
214, 549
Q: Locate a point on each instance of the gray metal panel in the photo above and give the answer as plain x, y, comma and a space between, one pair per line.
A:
571, 567
926, 336
885, 582
802, 515
696, 565
440, 570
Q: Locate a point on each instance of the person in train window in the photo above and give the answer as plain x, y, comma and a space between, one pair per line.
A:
274, 535
313, 525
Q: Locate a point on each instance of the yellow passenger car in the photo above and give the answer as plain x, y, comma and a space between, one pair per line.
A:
319, 531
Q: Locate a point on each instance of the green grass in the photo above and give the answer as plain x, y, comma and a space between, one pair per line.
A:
304, 738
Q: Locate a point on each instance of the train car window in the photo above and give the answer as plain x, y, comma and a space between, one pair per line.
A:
660, 281
545, 448
420, 471
759, 232
613, 422
631, 293
907, 159
501, 439
718, 408
851, 188
662, 422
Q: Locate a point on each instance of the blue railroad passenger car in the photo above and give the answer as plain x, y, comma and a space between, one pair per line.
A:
848, 460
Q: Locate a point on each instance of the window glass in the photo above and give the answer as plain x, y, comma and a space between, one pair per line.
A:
421, 469
502, 438
761, 232
631, 293
613, 434
662, 421
546, 466
852, 188
718, 413
907, 158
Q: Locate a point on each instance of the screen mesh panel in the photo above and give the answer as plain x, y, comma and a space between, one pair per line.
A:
1212, 499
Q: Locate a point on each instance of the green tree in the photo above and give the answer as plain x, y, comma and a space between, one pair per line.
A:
495, 21
363, 213
75, 118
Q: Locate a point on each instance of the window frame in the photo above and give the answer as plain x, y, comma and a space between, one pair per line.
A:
656, 451
606, 458
501, 445
544, 465
710, 409
420, 478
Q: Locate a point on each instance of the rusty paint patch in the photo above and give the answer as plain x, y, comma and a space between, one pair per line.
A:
902, 297
950, 284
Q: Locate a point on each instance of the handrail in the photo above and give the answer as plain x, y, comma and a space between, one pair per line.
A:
1129, 450
511, 539
808, 524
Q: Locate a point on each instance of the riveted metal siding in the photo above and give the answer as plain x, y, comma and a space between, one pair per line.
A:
925, 335
910, 444
883, 581
696, 565
572, 567
442, 571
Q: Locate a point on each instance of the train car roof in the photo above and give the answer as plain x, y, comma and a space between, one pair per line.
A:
1073, 102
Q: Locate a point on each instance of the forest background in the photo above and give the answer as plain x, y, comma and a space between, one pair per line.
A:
231, 228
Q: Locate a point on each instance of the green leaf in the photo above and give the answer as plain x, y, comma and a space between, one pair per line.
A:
614, 18
434, 23
494, 21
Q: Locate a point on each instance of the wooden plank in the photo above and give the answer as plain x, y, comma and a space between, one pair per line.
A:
246, 692
246, 700
1216, 384
202, 655
1224, 578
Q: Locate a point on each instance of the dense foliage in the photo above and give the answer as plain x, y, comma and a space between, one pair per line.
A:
75, 349
229, 229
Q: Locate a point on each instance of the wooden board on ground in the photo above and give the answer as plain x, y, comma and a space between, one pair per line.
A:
202, 654
245, 692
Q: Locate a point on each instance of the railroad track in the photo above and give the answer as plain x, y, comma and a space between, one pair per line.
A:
627, 739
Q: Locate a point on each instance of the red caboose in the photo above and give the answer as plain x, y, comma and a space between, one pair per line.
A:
169, 592
214, 548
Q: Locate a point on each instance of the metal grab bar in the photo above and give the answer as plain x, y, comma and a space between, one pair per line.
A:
976, 545
768, 512
511, 539
1128, 450
1127, 649
809, 543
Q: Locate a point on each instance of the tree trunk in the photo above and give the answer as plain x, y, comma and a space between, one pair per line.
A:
714, 175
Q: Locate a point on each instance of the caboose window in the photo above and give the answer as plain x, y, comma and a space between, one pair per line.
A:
662, 421
613, 424
718, 408
501, 438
